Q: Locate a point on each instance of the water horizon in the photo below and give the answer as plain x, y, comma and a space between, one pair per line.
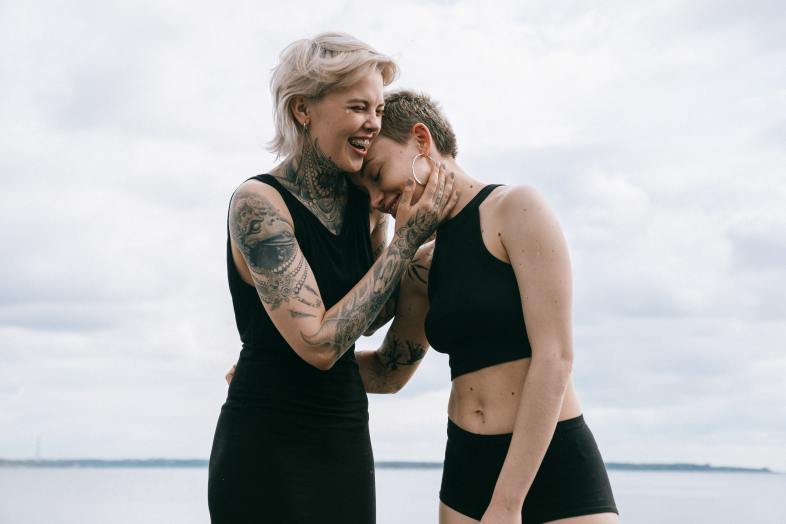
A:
380, 464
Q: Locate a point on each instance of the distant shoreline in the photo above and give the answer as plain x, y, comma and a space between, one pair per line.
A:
202, 463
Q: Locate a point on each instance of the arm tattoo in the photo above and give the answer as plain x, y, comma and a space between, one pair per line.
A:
392, 352
418, 271
340, 329
268, 243
314, 302
417, 230
356, 311
300, 314
386, 314
381, 225
378, 238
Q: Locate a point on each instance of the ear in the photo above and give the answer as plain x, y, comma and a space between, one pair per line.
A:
422, 136
299, 105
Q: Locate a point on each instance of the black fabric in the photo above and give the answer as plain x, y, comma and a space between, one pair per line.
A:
572, 479
475, 312
292, 442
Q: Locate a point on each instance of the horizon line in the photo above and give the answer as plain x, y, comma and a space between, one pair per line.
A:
381, 464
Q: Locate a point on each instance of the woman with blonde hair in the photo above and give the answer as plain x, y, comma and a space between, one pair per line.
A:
291, 443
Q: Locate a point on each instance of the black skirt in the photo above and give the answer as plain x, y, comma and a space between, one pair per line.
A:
571, 481
292, 444
287, 457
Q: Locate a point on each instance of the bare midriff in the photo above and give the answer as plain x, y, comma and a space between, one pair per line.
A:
486, 401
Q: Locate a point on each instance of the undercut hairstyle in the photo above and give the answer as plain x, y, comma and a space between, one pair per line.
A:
313, 67
404, 109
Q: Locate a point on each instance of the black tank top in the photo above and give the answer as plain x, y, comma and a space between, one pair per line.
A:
269, 373
475, 313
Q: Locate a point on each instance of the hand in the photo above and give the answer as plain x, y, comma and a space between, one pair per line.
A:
501, 515
415, 223
230, 374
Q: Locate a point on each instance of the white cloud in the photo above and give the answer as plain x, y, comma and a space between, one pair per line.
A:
655, 130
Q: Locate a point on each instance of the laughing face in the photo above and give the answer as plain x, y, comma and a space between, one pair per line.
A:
386, 170
345, 122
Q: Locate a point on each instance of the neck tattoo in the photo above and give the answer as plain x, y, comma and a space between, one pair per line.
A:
319, 184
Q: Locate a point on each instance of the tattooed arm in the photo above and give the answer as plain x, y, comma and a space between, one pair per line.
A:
389, 368
263, 238
379, 239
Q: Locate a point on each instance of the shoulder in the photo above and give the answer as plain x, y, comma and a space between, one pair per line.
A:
512, 204
260, 193
425, 252
517, 199
416, 277
524, 215
257, 205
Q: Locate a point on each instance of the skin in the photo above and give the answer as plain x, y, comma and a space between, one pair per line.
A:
526, 397
263, 242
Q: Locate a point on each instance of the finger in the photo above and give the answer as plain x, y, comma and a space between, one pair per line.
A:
451, 203
433, 171
431, 185
440, 189
405, 200
450, 185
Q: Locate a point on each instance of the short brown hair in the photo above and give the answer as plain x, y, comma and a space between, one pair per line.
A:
404, 109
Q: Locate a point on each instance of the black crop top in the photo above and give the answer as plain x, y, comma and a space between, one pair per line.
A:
475, 314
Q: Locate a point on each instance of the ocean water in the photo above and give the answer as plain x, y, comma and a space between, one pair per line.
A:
179, 496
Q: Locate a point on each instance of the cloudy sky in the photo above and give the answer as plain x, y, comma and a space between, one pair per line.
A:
657, 132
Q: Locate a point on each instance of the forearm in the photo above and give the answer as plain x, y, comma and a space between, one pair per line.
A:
347, 320
389, 368
537, 416
386, 314
374, 374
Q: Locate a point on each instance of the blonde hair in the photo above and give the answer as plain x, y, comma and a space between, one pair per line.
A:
313, 67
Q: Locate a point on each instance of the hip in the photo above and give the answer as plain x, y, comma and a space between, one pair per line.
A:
571, 480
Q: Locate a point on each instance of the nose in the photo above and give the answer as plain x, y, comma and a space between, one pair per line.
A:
374, 122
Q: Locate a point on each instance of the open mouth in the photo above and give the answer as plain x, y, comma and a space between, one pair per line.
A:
360, 144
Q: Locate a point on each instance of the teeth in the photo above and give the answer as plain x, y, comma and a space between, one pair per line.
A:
361, 143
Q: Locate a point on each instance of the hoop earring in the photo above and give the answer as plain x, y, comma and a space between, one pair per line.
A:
413, 166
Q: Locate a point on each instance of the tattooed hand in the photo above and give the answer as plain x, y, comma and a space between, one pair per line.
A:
415, 223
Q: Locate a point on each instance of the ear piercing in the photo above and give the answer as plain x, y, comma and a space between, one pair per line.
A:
437, 164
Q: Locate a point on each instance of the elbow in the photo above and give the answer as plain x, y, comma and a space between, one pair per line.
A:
563, 363
559, 364
393, 388
323, 360
566, 360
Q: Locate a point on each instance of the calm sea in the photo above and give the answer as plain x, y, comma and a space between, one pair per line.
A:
178, 496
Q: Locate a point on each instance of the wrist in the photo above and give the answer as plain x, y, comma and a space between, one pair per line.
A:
508, 501
406, 243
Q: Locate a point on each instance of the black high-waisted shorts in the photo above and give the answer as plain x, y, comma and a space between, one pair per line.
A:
571, 481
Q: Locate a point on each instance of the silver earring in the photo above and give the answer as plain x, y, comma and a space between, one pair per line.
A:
413, 166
